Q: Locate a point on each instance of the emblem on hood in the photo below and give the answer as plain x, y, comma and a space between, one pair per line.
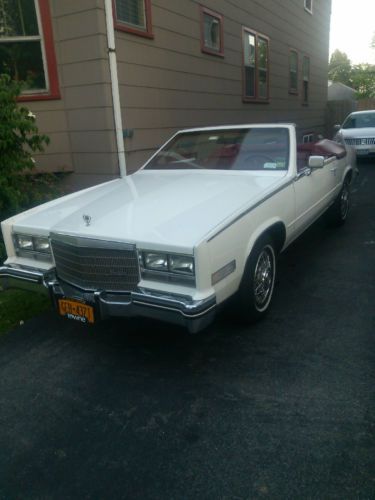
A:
87, 219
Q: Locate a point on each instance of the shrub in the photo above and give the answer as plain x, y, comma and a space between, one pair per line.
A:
19, 139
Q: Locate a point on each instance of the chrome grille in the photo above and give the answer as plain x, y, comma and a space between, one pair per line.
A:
367, 141
95, 265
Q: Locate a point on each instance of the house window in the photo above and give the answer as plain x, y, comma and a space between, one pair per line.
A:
305, 78
26, 47
133, 16
309, 6
255, 71
293, 72
212, 32
307, 138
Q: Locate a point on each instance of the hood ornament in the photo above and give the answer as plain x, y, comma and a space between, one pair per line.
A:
87, 219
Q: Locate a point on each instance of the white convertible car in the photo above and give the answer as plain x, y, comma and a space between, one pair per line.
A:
203, 220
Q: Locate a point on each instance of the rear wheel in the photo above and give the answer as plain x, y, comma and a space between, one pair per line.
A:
338, 212
258, 281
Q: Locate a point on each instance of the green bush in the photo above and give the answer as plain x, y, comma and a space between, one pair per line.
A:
19, 139
20, 188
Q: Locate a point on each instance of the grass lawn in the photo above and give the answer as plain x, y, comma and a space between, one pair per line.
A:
18, 305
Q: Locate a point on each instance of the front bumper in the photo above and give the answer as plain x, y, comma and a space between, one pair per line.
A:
364, 151
180, 310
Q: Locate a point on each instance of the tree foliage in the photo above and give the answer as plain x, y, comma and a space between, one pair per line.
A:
363, 80
19, 139
360, 77
339, 67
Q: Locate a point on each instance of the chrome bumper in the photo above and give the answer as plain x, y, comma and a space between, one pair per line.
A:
25, 278
192, 314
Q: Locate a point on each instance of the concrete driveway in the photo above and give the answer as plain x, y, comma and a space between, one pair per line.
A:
141, 410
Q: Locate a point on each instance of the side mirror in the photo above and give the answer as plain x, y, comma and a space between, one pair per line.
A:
316, 161
336, 128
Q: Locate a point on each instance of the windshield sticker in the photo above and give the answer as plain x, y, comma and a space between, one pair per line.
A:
270, 165
213, 138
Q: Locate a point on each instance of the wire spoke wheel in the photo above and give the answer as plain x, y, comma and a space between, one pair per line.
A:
264, 278
258, 281
344, 202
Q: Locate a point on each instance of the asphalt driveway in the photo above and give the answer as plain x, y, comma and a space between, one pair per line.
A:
136, 409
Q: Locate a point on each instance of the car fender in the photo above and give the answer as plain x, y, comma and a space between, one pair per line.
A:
266, 228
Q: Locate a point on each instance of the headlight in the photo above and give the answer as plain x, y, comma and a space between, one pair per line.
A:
41, 244
181, 264
24, 242
174, 268
35, 247
156, 261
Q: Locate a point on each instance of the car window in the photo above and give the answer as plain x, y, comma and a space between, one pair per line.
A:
360, 121
233, 149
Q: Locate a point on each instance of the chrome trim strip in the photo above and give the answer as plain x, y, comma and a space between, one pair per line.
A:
304, 172
82, 242
168, 308
250, 209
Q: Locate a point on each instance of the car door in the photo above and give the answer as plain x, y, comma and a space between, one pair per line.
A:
314, 189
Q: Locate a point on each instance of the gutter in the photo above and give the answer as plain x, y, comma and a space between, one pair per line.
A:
115, 87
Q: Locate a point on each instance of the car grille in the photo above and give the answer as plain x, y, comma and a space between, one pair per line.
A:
368, 141
95, 265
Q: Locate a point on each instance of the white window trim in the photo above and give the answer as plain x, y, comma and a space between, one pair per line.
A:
37, 38
310, 11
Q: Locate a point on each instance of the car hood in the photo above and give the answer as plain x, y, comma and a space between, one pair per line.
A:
358, 132
173, 209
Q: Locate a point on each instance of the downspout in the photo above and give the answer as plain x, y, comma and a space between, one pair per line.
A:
115, 87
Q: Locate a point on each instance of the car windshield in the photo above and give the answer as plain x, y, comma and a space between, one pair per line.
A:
360, 121
230, 149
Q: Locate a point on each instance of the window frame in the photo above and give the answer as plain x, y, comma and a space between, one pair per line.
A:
307, 9
306, 101
256, 98
127, 28
45, 36
293, 90
220, 18
308, 138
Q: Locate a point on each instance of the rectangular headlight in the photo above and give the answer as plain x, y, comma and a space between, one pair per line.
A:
32, 247
24, 242
155, 261
181, 264
167, 267
41, 244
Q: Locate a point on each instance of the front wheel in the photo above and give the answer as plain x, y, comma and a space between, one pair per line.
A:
258, 281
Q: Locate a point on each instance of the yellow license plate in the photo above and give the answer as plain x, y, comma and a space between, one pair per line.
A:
78, 311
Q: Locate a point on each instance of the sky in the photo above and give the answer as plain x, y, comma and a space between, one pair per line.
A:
352, 27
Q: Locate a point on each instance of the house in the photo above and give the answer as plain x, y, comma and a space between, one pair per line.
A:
107, 102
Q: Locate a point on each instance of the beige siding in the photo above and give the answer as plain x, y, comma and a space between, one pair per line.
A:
167, 83
80, 124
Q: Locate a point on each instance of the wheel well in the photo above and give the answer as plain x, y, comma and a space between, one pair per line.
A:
278, 235
349, 176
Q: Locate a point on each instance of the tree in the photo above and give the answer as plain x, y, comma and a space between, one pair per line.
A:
372, 44
363, 80
339, 68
